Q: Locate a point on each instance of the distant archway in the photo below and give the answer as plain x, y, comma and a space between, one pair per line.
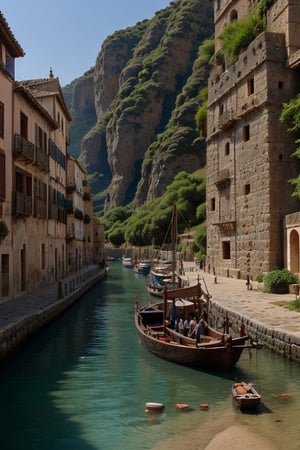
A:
294, 251
233, 16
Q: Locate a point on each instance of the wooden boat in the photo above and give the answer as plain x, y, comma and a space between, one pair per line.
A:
142, 267
245, 395
215, 351
153, 407
127, 262
161, 276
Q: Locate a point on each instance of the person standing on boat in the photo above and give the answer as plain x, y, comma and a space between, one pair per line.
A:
186, 326
180, 325
198, 331
193, 324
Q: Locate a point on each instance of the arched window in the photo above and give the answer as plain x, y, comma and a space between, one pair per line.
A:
294, 251
233, 16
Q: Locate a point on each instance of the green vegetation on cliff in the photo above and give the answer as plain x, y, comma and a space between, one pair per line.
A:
238, 34
148, 225
291, 115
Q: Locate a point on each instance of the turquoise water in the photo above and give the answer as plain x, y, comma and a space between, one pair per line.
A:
83, 382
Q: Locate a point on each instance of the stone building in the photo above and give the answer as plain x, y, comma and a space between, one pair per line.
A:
34, 138
249, 150
10, 49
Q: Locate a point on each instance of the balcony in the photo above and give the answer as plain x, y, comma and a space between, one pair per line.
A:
223, 179
226, 119
22, 204
249, 105
226, 225
42, 160
71, 187
28, 152
40, 208
294, 60
23, 149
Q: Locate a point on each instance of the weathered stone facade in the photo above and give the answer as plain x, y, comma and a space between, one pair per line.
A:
249, 162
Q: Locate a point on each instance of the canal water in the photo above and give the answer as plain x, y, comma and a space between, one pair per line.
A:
82, 384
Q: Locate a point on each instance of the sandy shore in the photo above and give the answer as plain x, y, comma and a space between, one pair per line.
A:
239, 437
235, 437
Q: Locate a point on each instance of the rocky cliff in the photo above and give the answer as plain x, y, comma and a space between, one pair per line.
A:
145, 94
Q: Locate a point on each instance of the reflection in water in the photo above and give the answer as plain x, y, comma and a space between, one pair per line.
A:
83, 382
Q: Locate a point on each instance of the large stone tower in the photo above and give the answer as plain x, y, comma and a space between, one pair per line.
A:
249, 150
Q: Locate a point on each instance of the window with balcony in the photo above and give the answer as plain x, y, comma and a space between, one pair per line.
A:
23, 194
41, 139
24, 183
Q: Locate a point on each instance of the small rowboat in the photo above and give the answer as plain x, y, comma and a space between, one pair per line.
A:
153, 407
245, 395
203, 406
182, 406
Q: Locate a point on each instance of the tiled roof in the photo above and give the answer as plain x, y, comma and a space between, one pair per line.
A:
9, 39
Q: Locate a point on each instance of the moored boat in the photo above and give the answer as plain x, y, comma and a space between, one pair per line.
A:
215, 351
245, 396
142, 267
127, 261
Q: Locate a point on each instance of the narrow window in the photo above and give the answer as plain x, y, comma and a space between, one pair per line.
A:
43, 257
250, 86
227, 148
226, 249
247, 189
221, 109
2, 176
233, 15
213, 204
24, 125
246, 133
19, 182
1, 120
280, 84
5, 275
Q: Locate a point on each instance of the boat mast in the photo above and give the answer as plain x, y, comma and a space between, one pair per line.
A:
174, 242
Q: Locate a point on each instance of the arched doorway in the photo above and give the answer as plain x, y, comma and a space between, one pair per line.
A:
294, 251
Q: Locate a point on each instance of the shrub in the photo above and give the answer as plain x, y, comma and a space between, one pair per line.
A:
259, 278
277, 281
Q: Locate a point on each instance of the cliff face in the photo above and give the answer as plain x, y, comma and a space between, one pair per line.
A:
146, 93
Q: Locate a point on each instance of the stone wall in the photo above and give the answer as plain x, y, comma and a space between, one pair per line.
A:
15, 333
278, 341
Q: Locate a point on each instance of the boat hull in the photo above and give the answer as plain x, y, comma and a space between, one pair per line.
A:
215, 356
245, 398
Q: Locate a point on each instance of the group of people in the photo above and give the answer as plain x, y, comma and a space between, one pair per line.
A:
192, 327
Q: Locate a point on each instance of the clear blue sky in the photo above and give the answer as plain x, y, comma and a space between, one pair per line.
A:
67, 34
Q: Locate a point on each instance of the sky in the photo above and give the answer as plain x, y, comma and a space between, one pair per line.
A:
67, 35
